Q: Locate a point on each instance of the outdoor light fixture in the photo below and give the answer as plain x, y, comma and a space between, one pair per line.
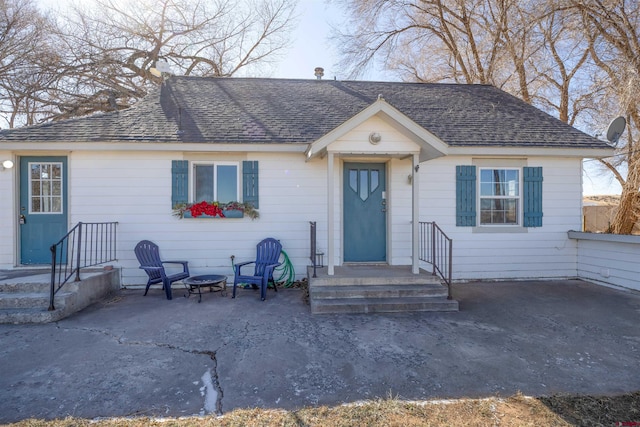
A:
375, 138
7, 164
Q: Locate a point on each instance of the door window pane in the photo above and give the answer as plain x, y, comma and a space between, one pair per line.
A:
56, 171
35, 171
56, 204
46, 187
374, 180
353, 179
364, 184
45, 204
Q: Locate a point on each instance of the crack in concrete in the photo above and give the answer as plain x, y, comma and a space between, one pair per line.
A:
215, 379
210, 354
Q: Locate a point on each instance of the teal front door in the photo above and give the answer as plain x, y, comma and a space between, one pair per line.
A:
43, 207
364, 214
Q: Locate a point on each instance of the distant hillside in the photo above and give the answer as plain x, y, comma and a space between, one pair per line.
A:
604, 200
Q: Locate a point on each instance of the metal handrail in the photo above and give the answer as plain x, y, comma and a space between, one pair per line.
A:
312, 255
436, 248
87, 244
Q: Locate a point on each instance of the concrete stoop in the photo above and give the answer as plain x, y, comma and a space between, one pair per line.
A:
378, 293
27, 300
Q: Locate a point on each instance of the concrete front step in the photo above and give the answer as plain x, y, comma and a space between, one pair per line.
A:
382, 305
9, 300
378, 291
30, 315
25, 287
376, 280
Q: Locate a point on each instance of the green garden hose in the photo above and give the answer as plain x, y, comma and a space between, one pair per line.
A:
287, 274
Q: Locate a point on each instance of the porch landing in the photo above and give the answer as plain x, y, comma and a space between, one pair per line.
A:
376, 289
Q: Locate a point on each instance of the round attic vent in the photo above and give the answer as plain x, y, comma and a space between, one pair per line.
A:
375, 138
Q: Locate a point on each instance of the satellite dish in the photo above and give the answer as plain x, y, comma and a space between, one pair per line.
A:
163, 67
615, 129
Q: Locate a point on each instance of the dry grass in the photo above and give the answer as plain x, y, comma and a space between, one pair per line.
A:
517, 410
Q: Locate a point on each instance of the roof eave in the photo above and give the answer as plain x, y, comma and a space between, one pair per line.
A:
155, 146
529, 151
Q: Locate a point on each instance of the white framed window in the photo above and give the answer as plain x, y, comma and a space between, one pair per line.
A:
215, 181
500, 201
45, 188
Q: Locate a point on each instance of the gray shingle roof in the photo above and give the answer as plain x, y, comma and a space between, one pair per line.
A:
256, 110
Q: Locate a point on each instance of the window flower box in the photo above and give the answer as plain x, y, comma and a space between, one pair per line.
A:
233, 213
206, 209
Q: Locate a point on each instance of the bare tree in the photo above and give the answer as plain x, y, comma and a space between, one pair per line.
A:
111, 46
23, 46
561, 62
100, 54
612, 29
459, 41
528, 49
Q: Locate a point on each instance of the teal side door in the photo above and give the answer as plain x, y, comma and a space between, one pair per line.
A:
43, 207
364, 214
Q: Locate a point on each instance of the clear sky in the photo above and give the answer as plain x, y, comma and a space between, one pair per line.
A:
312, 47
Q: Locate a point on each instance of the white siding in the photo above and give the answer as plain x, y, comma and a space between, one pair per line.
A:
399, 211
135, 190
609, 259
543, 252
7, 214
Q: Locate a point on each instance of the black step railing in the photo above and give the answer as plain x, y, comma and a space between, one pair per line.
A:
437, 249
86, 245
312, 254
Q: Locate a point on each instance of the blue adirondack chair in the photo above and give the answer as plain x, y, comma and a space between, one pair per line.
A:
148, 255
268, 253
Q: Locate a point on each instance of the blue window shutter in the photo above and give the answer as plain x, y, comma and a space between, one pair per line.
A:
250, 183
179, 182
465, 196
532, 194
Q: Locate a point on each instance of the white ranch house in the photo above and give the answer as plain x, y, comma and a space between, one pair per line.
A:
367, 161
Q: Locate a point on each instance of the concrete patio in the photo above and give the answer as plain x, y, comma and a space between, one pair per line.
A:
146, 356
